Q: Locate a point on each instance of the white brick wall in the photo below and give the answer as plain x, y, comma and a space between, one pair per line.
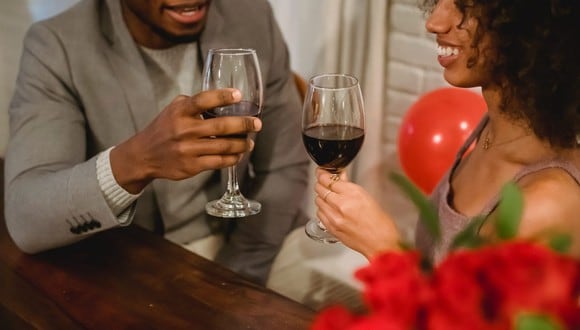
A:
413, 68
412, 71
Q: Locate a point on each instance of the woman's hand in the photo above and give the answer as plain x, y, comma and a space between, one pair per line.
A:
353, 216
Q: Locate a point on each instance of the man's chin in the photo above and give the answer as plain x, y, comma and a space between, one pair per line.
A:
183, 39
180, 38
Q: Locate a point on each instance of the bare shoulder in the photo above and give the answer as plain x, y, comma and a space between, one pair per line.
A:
552, 193
551, 204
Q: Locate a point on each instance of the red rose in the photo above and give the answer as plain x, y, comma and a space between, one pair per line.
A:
377, 321
335, 317
532, 278
488, 288
484, 289
395, 287
460, 299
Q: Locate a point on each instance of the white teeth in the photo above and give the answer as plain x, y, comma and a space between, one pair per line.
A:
447, 51
189, 10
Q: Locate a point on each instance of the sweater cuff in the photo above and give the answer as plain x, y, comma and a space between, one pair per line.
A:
117, 198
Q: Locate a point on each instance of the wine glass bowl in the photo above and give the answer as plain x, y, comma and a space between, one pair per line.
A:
333, 124
234, 68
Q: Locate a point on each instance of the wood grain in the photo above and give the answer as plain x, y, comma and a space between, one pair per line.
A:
129, 278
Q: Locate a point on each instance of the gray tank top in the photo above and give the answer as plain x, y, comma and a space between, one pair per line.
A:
451, 221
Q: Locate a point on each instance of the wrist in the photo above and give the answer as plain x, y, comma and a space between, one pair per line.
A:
390, 245
128, 169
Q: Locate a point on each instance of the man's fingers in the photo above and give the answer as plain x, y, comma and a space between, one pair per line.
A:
224, 126
207, 100
221, 146
211, 162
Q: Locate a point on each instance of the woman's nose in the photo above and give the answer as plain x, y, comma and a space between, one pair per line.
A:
440, 19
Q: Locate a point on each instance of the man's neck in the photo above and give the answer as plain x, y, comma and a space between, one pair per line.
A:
142, 33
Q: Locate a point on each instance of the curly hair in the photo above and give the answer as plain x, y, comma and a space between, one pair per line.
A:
535, 60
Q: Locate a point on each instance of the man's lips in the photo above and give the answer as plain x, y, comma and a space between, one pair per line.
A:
187, 13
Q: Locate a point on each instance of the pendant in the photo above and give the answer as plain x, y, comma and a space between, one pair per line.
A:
486, 143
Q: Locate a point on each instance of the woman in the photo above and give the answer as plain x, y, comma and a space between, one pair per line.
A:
523, 55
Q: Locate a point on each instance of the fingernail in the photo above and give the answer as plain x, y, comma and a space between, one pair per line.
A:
257, 125
236, 95
252, 144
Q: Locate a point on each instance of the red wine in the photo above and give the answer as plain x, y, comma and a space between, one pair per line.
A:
333, 147
243, 108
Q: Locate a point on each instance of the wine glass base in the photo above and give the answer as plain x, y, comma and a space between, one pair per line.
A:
232, 209
315, 232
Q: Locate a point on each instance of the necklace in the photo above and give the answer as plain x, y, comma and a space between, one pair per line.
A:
488, 142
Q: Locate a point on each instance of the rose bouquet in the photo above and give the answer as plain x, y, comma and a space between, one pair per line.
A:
482, 284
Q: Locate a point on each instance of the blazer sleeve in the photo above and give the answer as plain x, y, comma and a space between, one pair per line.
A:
280, 168
52, 195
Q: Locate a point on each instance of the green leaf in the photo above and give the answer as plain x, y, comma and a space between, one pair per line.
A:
406, 246
469, 237
509, 211
427, 211
535, 322
561, 242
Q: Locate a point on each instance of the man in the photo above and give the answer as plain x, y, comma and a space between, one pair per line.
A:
102, 136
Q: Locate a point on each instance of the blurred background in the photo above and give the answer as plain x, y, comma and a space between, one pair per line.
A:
382, 42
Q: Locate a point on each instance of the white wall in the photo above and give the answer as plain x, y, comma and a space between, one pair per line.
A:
413, 68
412, 71
301, 22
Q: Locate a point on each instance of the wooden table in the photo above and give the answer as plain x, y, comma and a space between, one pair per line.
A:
128, 278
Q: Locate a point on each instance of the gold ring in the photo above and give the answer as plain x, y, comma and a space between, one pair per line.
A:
326, 195
333, 178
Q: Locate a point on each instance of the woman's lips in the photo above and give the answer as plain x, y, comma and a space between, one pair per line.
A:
447, 55
187, 14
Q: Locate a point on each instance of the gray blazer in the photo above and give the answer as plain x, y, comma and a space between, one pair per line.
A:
83, 87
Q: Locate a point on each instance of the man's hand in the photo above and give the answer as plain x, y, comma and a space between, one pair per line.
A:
179, 144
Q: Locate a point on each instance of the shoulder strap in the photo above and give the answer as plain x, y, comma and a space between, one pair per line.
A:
563, 164
472, 138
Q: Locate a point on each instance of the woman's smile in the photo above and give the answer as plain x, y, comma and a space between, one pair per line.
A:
446, 55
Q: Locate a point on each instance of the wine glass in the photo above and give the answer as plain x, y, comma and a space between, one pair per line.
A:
333, 123
234, 68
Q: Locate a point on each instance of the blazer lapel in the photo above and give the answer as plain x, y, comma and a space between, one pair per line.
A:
213, 35
128, 66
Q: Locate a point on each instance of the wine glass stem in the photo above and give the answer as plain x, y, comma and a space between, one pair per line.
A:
233, 188
334, 177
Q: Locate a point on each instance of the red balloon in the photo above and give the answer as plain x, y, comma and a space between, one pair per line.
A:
433, 130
